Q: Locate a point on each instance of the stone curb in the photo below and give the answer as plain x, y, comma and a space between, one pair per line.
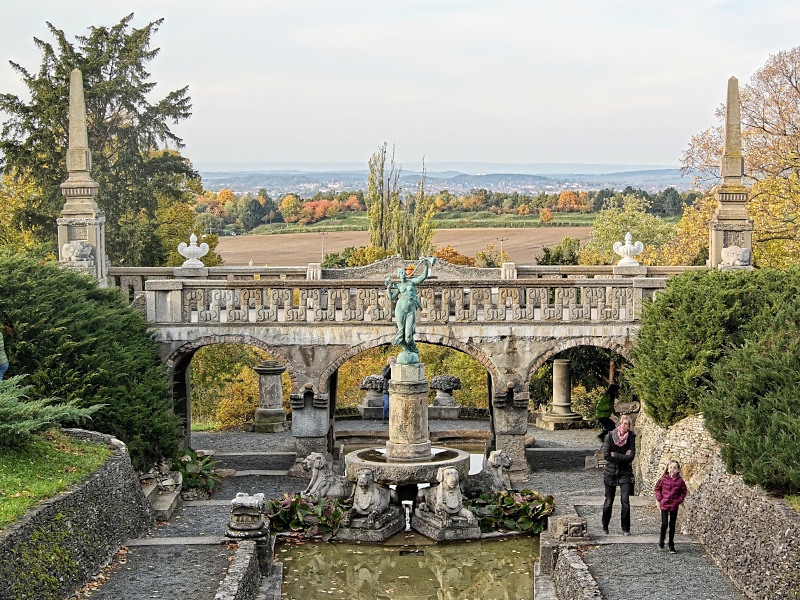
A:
244, 578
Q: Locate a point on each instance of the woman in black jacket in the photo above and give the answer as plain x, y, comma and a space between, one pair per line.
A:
619, 449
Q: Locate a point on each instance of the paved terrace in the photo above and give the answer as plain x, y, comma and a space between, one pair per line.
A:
183, 558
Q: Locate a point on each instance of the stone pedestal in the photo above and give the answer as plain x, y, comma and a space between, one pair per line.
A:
444, 406
432, 526
371, 408
386, 525
270, 416
510, 427
561, 415
409, 439
311, 422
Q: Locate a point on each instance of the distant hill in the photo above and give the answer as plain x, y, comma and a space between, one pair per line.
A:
307, 183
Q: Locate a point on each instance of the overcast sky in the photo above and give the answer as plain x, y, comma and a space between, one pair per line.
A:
499, 81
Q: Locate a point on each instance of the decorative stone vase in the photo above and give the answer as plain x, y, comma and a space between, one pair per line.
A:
371, 408
444, 404
628, 250
192, 253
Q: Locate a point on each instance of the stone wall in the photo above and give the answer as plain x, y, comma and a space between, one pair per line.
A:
753, 537
571, 577
58, 545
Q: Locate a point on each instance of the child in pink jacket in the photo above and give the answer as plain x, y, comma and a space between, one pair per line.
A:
670, 493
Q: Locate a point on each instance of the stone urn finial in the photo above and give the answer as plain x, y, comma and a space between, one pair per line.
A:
372, 382
446, 383
628, 250
192, 252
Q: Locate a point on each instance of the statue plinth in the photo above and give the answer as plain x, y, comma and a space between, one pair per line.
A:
409, 439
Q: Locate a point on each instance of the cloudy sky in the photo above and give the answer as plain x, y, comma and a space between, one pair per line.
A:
497, 81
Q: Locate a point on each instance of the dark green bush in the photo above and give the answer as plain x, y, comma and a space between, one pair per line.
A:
686, 330
82, 344
753, 407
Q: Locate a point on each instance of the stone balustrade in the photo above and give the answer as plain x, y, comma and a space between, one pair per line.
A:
243, 301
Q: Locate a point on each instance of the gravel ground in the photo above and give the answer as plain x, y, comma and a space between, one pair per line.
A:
270, 486
645, 572
194, 521
146, 573
644, 519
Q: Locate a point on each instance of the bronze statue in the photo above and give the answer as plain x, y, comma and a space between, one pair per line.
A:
404, 292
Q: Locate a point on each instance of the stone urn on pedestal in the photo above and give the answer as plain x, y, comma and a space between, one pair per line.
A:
372, 405
444, 404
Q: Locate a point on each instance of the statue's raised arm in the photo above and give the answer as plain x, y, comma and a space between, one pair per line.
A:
404, 292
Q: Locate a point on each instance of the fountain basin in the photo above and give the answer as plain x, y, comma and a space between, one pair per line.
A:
390, 472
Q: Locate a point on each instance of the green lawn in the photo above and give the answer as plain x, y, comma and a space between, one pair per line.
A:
43, 469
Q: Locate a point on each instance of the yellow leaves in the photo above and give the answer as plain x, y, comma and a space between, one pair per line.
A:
692, 236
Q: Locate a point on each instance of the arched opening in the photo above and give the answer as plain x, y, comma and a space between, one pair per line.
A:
215, 386
592, 369
439, 359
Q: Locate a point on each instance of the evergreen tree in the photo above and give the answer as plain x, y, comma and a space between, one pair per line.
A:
128, 135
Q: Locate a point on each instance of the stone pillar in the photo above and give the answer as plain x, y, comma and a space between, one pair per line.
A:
81, 228
409, 437
311, 421
510, 424
270, 416
562, 388
561, 415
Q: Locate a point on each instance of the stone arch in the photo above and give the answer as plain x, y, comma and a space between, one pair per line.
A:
567, 343
189, 348
438, 340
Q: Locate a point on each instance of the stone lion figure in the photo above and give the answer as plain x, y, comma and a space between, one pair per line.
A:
493, 477
77, 251
324, 482
735, 256
370, 499
445, 499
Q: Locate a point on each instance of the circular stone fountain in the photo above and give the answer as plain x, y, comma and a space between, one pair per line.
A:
408, 458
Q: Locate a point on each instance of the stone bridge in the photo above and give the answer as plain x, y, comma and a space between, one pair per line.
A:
510, 319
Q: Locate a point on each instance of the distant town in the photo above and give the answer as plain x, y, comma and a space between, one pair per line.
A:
307, 183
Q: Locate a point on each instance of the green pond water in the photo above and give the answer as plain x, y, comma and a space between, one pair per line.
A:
409, 566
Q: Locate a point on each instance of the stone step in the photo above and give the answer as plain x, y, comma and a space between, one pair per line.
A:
254, 461
558, 459
165, 503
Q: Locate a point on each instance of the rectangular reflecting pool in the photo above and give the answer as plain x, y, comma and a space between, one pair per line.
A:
409, 566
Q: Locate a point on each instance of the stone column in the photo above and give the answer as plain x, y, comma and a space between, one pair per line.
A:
561, 415
562, 388
270, 416
409, 437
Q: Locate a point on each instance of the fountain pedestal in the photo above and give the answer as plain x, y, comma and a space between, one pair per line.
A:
409, 440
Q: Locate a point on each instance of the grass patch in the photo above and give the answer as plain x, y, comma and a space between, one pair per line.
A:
197, 427
43, 469
794, 502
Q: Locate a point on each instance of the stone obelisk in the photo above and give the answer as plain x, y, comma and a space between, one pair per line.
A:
81, 228
730, 225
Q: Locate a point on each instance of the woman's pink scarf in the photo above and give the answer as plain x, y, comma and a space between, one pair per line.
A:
620, 438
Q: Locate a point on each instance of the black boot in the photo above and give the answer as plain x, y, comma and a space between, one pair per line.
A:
661, 542
672, 549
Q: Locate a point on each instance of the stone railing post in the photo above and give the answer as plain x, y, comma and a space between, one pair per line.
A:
164, 299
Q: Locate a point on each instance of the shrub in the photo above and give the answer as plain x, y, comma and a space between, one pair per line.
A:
686, 330
525, 510
197, 471
84, 345
304, 517
21, 418
753, 408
